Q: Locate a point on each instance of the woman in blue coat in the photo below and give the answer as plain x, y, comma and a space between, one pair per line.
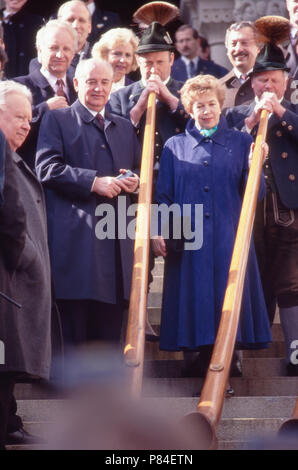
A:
206, 166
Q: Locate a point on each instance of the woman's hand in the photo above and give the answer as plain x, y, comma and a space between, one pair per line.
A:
159, 246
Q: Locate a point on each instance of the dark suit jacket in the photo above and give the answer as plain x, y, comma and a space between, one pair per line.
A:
179, 71
72, 151
167, 123
102, 21
292, 62
19, 39
24, 272
282, 138
41, 92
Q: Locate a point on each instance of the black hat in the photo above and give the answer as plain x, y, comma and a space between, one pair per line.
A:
155, 39
270, 57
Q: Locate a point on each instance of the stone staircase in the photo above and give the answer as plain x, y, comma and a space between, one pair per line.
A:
264, 396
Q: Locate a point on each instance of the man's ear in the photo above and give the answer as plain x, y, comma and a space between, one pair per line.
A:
76, 84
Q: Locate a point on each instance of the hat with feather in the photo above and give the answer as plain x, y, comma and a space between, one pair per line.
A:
272, 30
155, 15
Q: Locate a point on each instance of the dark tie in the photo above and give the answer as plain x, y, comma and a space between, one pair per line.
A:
192, 69
60, 90
100, 121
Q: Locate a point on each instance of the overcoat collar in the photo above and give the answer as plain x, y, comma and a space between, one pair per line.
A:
87, 117
218, 137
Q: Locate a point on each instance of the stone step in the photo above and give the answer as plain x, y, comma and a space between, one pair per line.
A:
251, 367
243, 386
235, 407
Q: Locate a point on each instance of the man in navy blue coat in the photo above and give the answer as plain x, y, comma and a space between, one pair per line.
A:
276, 229
50, 86
81, 150
190, 64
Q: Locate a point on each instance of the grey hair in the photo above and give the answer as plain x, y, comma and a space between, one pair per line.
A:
70, 3
8, 87
238, 26
56, 24
84, 64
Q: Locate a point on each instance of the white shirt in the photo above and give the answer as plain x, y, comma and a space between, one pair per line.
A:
239, 75
187, 62
117, 85
53, 81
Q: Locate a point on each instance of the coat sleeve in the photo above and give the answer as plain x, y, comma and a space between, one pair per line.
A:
51, 166
247, 141
12, 214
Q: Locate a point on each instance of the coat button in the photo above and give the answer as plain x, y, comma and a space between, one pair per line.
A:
279, 133
290, 128
284, 155
283, 123
292, 177
206, 189
206, 163
207, 215
103, 146
177, 130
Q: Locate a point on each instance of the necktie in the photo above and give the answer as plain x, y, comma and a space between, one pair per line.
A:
101, 121
192, 69
60, 89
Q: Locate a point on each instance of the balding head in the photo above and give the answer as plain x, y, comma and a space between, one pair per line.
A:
78, 16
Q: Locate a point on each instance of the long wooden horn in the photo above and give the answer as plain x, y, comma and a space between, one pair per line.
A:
135, 339
211, 401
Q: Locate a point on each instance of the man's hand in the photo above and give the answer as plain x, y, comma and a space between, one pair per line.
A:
57, 102
130, 184
269, 102
107, 186
159, 246
265, 152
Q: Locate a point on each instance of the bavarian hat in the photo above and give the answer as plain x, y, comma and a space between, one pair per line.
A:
155, 38
270, 57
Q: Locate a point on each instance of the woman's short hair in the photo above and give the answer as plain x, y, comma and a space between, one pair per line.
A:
198, 86
113, 38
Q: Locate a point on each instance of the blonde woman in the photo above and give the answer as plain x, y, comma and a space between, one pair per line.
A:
206, 168
118, 47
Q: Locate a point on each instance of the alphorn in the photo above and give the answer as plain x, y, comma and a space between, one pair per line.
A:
208, 413
135, 339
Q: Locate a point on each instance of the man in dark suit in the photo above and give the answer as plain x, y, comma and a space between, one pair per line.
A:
190, 64
76, 13
155, 59
50, 86
276, 228
81, 151
24, 266
102, 20
20, 28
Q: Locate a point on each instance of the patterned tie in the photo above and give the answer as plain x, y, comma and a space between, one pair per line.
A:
101, 121
192, 69
60, 89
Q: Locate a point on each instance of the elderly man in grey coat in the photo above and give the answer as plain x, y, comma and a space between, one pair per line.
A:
25, 332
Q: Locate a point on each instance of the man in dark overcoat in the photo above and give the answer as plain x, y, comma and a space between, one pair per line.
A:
292, 55
81, 150
102, 20
20, 28
50, 86
276, 228
24, 265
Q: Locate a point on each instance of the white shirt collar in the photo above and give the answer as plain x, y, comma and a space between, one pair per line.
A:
93, 112
53, 80
293, 32
91, 7
187, 61
239, 74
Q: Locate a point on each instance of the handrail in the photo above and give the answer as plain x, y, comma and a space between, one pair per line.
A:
209, 409
135, 337
291, 424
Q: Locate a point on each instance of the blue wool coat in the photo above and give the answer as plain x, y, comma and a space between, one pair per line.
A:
212, 172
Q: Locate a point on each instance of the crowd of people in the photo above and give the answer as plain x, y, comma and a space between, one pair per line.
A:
73, 101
